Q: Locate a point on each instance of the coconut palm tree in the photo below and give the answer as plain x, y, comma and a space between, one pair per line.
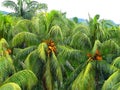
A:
25, 8
92, 74
9, 78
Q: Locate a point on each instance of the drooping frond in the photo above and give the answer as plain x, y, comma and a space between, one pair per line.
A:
24, 78
68, 53
47, 77
42, 49
3, 44
10, 86
80, 41
116, 86
11, 4
6, 68
69, 65
116, 62
25, 38
22, 54
56, 69
85, 80
96, 46
23, 25
82, 29
111, 81
31, 61
34, 5
106, 67
42, 6
110, 49
56, 33
74, 75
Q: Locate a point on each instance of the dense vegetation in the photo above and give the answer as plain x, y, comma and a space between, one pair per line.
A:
48, 51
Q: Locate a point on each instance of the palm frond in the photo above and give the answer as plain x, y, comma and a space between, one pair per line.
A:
96, 46
24, 52
6, 68
47, 77
56, 69
3, 44
80, 41
116, 62
55, 33
10, 86
43, 6
42, 49
106, 67
116, 86
85, 80
68, 53
111, 81
68, 64
82, 29
32, 5
11, 4
25, 38
110, 49
22, 25
24, 78
74, 75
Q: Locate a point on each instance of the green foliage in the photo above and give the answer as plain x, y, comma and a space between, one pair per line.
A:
42, 48
47, 77
25, 8
72, 66
116, 62
10, 86
6, 68
24, 78
111, 81
85, 80
56, 33
24, 39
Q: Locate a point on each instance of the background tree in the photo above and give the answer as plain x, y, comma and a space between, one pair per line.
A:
25, 8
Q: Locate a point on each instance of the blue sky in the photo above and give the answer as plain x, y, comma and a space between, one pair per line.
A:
108, 9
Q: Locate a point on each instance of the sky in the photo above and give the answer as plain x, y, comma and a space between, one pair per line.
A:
107, 9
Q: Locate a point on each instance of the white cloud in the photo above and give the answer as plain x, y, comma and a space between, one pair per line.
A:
108, 9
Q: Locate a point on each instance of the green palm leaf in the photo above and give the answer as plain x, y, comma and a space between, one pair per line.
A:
11, 4
80, 41
68, 53
10, 86
3, 44
56, 33
74, 75
106, 67
24, 78
33, 62
86, 79
6, 68
82, 29
110, 50
24, 37
116, 86
96, 46
116, 62
111, 81
42, 49
22, 25
47, 77
22, 54
56, 69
